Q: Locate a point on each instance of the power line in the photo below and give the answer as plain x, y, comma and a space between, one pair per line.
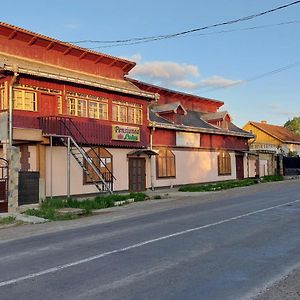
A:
204, 34
257, 77
167, 36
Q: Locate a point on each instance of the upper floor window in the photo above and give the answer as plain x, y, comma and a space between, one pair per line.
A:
3, 99
87, 108
224, 163
165, 163
126, 112
24, 100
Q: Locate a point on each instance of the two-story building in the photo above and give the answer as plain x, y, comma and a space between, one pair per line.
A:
71, 114
195, 141
74, 121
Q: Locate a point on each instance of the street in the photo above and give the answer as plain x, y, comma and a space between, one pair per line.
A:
222, 245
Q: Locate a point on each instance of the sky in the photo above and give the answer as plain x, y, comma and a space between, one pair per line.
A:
252, 66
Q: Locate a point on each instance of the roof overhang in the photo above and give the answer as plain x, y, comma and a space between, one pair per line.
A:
78, 80
139, 152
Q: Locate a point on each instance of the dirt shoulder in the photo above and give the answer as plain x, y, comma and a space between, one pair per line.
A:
286, 289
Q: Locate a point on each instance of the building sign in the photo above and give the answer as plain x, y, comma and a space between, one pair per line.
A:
125, 133
187, 139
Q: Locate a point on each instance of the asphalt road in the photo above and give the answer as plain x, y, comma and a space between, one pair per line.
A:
225, 245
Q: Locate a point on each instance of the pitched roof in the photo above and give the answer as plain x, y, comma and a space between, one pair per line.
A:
281, 133
168, 107
13, 31
193, 121
215, 116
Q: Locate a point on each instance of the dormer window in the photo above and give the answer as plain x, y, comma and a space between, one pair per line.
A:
173, 112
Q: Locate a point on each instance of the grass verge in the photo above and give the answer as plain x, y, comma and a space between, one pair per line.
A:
224, 185
48, 208
10, 220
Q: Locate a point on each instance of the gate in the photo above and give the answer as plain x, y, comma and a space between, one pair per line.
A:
3, 185
291, 166
28, 187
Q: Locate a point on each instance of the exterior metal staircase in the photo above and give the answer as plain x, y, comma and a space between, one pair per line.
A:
65, 132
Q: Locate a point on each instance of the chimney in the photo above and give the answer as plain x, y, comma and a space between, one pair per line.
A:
263, 122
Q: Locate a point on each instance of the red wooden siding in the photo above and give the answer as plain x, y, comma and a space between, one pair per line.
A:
210, 141
162, 137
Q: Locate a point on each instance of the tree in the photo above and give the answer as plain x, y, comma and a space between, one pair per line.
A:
293, 125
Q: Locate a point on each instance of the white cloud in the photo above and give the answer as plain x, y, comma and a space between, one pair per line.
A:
175, 75
218, 81
165, 70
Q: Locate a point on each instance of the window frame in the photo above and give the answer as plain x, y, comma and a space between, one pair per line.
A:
126, 112
165, 164
23, 103
108, 159
224, 163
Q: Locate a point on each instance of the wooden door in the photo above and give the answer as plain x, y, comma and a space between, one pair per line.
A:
239, 161
137, 174
48, 105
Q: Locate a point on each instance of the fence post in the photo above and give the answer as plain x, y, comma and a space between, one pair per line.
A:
13, 156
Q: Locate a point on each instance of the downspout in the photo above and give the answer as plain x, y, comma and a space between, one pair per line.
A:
151, 158
10, 112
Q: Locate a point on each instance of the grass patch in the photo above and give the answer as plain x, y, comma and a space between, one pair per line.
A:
225, 185
271, 178
218, 186
7, 220
48, 208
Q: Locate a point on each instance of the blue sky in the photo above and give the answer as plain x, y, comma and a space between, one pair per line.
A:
213, 64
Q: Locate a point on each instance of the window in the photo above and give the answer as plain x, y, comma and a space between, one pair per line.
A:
59, 104
105, 165
24, 100
3, 99
77, 107
224, 163
165, 163
85, 107
127, 112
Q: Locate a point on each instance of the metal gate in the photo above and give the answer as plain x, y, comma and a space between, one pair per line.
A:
3, 185
291, 166
28, 187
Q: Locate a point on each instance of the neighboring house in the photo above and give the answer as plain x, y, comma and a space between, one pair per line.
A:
269, 141
195, 142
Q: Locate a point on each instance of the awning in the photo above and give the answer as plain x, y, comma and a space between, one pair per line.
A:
140, 152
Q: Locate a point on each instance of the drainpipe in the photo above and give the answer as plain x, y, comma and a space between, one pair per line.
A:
151, 158
10, 113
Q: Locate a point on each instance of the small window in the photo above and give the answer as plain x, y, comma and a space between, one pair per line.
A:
224, 163
165, 164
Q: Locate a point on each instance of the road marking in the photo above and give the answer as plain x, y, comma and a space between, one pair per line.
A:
101, 255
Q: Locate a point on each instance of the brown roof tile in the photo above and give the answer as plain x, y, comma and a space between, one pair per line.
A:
279, 132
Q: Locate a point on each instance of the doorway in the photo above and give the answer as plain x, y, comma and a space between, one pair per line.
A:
137, 174
48, 105
239, 162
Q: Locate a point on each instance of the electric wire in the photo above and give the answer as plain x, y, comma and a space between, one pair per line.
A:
172, 35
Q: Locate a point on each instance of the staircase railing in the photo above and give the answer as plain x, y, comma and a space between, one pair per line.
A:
64, 126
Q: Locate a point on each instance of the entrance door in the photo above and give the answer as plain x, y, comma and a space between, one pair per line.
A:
239, 161
48, 105
137, 174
